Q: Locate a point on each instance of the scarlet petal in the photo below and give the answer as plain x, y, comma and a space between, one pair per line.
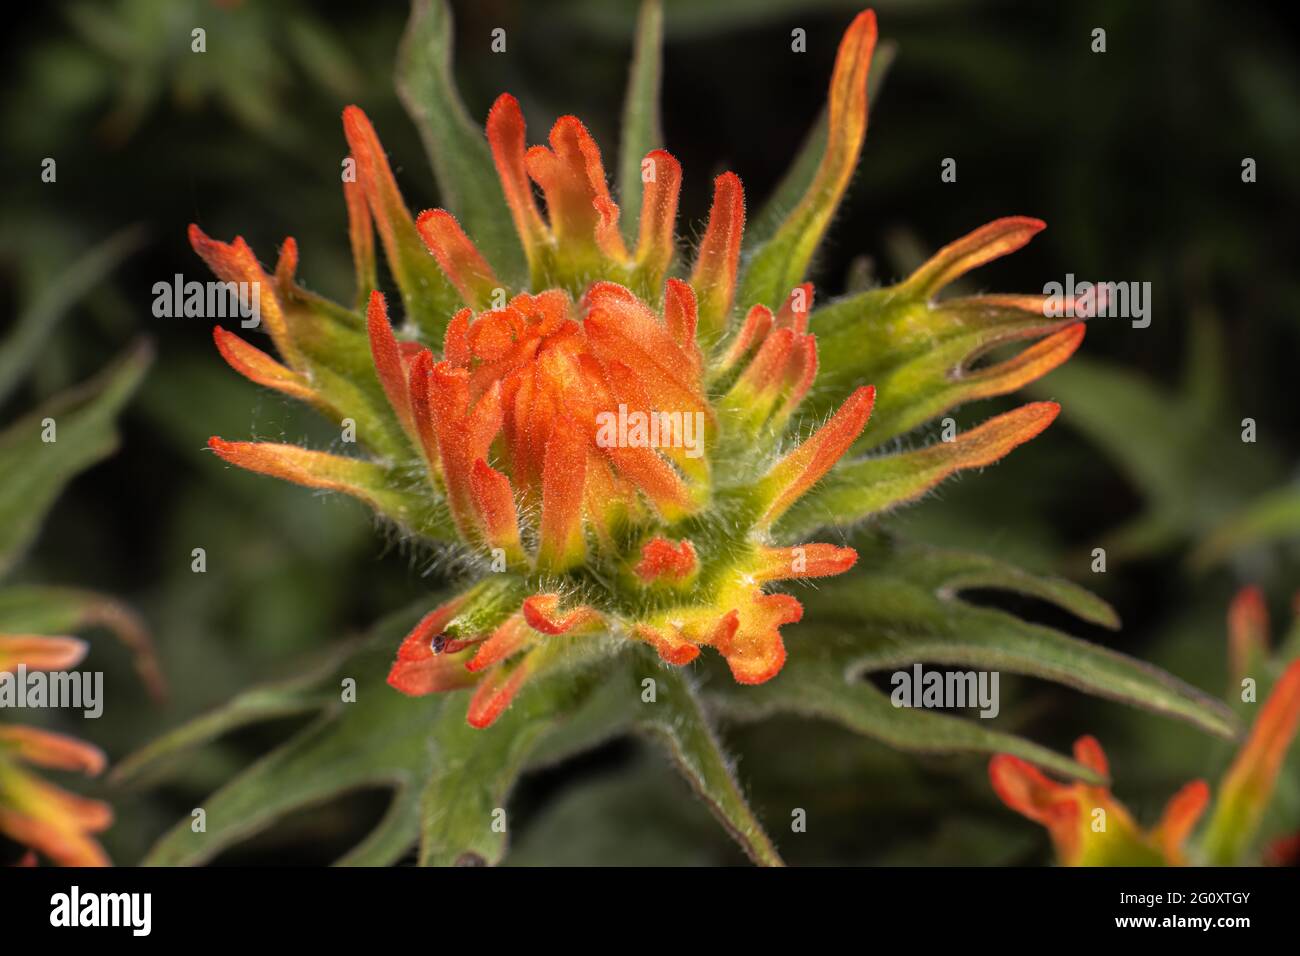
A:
655, 243
510, 637
542, 612
989, 242
388, 361
714, 277
804, 561
56, 751
506, 136
257, 366
1247, 630
37, 652
661, 559
564, 472
497, 689
458, 257
805, 466
672, 648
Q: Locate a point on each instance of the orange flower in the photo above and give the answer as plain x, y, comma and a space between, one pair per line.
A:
33, 812
614, 439
1088, 826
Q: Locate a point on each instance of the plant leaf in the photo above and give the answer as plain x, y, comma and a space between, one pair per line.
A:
38, 321
800, 175
456, 145
36, 471
1274, 516
55, 610
642, 130
678, 721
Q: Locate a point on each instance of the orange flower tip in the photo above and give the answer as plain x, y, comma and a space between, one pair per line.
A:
1022, 786
671, 650
662, 560
1248, 620
355, 121
542, 612
494, 695
758, 670
287, 264
804, 561
43, 748
991, 241
41, 652
227, 450
1088, 751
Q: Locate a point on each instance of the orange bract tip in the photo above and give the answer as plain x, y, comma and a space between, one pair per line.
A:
564, 470
989, 242
495, 693
458, 257
256, 366
38, 652
542, 612
662, 560
1250, 780
1247, 630
655, 241
43, 748
1087, 750
495, 502
418, 669
506, 136
791, 477
1179, 819
387, 356
671, 647
804, 561
510, 637
1027, 366
714, 276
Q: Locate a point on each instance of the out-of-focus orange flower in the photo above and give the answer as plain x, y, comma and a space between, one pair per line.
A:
1088, 826
57, 824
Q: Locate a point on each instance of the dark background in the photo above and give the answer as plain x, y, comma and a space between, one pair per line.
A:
1133, 157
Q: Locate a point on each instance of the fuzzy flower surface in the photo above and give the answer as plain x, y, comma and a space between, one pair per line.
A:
628, 441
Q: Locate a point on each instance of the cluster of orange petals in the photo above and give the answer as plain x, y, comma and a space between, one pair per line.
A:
33, 812
1069, 810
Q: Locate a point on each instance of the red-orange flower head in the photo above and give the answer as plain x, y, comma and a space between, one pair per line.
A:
614, 436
